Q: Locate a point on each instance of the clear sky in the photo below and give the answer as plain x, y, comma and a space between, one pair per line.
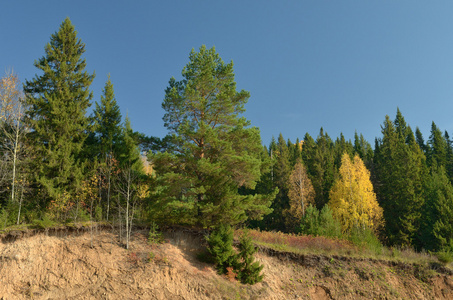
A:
341, 65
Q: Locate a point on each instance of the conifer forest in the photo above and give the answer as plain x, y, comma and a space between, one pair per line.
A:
61, 164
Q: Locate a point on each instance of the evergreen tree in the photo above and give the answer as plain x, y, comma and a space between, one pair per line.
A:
104, 142
449, 166
401, 171
363, 149
107, 117
282, 170
220, 243
249, 270
420, 141
214, 152
323, 170
437, 230
341, 146
437, 147
57, 102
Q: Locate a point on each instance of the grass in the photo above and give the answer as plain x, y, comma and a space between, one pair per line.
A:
306, 244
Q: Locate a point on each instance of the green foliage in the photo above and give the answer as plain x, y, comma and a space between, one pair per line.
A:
437, 227
401, 172
220, 243
98, 213
107, 124
248, 271
213, 150
154, 235
45, 222
82, 215
320, 223
319, 158
445, 257
3, 218
281, 171
57, 102
365, 237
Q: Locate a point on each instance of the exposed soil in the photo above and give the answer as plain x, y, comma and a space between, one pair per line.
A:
77, 265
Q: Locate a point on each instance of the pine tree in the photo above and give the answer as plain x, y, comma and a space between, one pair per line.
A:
214, 152
57, 102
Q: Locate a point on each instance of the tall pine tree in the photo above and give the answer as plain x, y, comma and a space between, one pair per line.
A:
215, 151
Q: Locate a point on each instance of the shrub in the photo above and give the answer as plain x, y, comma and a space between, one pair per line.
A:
365, 237
445, 257
322, 223
3, 218
45, 222
98, 213
154, 235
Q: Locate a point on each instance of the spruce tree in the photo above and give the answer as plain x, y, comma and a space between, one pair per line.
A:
107, 118
105, 140
322, 169
281, 172
437, 147
401, 171
420, 141
220, 243
57, 102
437, 230
248, 270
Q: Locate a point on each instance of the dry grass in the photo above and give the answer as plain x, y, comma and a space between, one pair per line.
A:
306, 244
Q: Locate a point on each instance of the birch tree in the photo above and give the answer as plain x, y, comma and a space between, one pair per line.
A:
12, 132
352, 198
301, 194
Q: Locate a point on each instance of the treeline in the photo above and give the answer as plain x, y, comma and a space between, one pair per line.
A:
411, 178
211, 170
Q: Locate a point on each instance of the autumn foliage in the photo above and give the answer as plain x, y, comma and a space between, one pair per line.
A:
352, 198
301, 194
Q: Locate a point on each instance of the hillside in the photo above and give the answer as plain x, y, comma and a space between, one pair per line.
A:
63, 265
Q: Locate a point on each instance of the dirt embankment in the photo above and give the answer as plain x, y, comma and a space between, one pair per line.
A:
81, 266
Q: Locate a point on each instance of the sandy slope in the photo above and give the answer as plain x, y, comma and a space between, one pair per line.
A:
68, 267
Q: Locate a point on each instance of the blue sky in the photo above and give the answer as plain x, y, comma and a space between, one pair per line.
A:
341, 65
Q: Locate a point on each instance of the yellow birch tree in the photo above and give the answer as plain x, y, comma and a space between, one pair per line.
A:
300, 193
352, 198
